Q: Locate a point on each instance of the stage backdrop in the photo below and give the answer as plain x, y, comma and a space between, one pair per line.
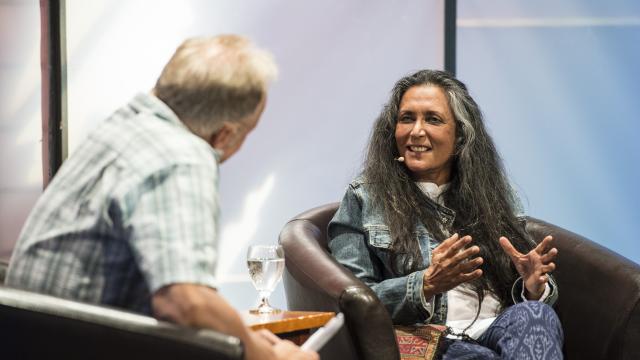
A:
338, 60
559, 83
20, 117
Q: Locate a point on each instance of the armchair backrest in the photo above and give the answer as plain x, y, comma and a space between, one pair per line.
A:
36, 326
599, 303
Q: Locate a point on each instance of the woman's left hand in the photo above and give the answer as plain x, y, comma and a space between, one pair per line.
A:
532, 266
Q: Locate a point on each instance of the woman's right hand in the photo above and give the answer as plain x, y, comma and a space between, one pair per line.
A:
451, 265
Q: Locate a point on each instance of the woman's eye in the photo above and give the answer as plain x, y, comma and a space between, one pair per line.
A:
405, 119
434, 120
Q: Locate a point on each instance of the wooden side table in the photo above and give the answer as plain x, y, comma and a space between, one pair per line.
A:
291, 325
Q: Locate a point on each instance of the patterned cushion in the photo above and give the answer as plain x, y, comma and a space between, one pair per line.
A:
418, 342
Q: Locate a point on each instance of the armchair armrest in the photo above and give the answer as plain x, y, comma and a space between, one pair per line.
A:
36, 326
313, 280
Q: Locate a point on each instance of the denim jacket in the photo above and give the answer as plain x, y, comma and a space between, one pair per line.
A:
360, 240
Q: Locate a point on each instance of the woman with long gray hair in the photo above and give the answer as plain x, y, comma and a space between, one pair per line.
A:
432, 226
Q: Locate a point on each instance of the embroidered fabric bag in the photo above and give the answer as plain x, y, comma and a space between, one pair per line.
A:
419, 342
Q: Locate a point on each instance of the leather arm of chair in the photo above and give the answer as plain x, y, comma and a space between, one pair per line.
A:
315, 281
36, 326
599, 303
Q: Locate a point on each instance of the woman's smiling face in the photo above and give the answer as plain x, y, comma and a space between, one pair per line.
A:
425, 133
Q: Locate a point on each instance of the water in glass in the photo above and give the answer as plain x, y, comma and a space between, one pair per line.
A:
266, 264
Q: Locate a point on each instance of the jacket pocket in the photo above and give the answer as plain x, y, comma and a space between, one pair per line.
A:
379, 236
380, 243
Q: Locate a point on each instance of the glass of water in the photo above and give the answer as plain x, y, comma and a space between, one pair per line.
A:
266, 264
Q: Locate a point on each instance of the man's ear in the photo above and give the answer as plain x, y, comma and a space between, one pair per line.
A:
220, 139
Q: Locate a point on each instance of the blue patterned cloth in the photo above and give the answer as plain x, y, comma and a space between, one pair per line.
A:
133, 209
525, 331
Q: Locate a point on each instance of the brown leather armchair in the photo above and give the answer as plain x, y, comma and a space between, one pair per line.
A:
599, 303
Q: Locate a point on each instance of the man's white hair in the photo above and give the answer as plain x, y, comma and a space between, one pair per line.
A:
211, 80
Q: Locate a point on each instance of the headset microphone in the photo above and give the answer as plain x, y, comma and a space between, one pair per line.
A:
399, 159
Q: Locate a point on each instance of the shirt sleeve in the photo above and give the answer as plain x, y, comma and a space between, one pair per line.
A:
172, 225
545, 293
550, 295
402, 296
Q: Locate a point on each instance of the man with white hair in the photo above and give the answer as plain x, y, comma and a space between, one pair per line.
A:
131, 218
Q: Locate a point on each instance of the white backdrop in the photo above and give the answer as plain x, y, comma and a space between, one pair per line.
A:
338, 60
20, 117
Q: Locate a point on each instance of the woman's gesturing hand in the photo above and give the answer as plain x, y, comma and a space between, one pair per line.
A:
532, 266
451, 265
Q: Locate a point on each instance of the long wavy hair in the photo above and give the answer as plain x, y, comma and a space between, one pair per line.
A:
478, 191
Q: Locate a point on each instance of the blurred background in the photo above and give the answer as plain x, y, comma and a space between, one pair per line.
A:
559, 83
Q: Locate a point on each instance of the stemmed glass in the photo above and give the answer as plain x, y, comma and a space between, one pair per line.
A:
266, 264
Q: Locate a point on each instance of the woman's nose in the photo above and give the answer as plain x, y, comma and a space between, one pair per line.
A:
418, 129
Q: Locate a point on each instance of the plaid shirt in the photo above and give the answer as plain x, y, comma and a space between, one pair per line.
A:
133, 209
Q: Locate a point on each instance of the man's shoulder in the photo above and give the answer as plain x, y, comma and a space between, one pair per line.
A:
146, 143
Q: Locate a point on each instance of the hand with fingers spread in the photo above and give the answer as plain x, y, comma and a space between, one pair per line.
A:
451, 265
532, 266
